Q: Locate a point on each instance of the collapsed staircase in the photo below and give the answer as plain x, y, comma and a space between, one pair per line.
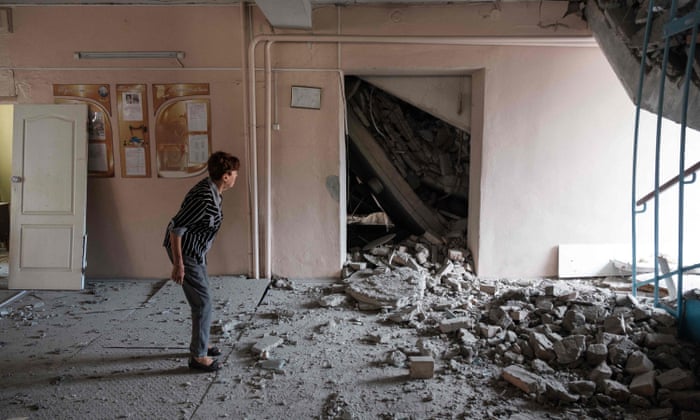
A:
619, 27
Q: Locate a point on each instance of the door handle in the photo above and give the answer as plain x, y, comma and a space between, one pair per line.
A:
16, 179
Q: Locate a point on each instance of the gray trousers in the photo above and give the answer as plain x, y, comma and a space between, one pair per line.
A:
196, 288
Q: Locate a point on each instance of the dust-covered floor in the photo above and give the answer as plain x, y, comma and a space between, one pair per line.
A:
119, 350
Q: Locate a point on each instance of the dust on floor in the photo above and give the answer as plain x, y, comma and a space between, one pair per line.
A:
119, 350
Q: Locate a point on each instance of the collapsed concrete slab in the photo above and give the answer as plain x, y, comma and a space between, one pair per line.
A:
395, 289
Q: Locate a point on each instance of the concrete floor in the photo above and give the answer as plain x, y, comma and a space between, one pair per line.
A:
115, 350
119, 350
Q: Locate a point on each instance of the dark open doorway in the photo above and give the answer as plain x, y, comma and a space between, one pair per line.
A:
408, 171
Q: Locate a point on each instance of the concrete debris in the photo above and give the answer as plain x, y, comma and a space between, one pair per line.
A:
573, 342
266, 344
333, 300
395, 289
421, 367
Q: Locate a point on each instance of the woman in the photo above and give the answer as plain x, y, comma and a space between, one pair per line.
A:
188, 238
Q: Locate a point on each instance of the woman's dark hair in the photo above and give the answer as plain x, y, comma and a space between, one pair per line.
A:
220, 163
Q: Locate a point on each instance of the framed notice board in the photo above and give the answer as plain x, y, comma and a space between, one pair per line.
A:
183, 127
100, 142
132, 104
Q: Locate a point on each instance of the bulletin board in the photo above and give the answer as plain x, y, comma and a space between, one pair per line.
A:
183, 128
132, 104
100, 144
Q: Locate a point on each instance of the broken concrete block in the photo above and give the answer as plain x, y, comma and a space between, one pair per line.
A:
600, 373
615, 325
380, 251
333, 300
620, 351
466, 337
540, 366
573, 319
527, 381
488, 288
644, 384
455, 255
499, 316
662, 317
421, 367
654, 340
445, 269
378, 338
616, 390
570, 349
556, 290
488, 331
638, 363
544, 303
453, 324
596, 353
519, 315
585, 388
676, 379
357, 265
555, 391
395, 289
273, 364
453, 282
427, 348
266, 344
543, 348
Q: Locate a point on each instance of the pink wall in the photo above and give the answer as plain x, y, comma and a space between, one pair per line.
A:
523, 205
126, 216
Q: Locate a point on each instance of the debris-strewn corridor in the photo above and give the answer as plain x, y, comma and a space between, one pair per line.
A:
446, 347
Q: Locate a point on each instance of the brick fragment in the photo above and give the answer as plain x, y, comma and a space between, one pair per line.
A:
453, 324
644, 384
421, 367
525, 380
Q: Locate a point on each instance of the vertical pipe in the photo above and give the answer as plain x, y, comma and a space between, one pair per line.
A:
640, 87
268, 161
254, 157
246, 92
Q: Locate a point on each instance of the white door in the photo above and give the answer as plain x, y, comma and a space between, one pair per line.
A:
47, 211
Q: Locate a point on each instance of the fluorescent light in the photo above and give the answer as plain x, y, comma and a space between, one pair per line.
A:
99, 55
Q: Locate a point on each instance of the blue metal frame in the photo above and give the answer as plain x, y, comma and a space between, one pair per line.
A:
674, 27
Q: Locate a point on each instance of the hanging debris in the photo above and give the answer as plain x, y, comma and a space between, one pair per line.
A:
407, 164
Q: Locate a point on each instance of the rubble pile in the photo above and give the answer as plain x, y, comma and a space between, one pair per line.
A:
560, 342
425, 151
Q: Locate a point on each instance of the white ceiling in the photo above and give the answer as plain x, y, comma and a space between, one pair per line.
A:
280, 13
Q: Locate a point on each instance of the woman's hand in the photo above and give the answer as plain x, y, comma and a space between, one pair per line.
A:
178, 274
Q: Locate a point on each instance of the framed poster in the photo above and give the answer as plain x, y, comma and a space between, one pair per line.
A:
132, 105
183, 127
100, 141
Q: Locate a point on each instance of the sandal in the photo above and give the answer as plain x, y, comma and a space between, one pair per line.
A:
212, 367
213, 351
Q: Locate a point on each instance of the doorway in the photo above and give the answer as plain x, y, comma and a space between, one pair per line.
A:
6, 113
408, 162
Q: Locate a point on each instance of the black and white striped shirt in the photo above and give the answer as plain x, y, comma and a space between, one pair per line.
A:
198, 220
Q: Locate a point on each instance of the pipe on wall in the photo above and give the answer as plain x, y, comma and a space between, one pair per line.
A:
251, 140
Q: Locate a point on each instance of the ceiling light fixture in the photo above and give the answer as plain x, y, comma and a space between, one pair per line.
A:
99, 55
